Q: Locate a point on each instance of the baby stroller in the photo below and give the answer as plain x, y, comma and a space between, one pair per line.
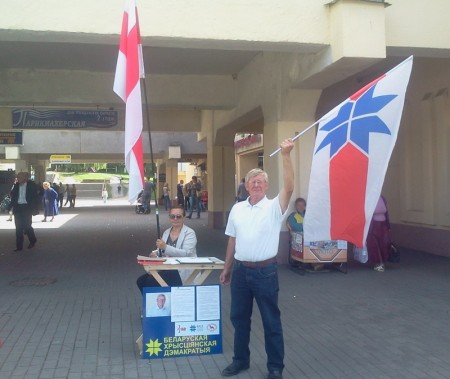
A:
5, 204
142, 206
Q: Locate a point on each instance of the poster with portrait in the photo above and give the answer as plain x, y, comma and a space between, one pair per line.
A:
181, 321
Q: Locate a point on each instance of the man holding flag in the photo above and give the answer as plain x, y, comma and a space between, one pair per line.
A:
129, 70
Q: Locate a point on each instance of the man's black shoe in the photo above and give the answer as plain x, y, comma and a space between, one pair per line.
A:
235, 368
31, 245
18, 249
275, 375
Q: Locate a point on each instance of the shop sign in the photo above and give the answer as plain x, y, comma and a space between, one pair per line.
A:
63, 119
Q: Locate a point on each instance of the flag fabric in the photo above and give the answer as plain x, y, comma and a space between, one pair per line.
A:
129, 70
353, 146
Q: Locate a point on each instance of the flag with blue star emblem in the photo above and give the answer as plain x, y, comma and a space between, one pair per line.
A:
353, 146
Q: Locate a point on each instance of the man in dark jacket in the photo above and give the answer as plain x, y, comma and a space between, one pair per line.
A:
24, 200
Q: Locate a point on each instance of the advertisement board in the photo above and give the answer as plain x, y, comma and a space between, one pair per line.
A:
181, 321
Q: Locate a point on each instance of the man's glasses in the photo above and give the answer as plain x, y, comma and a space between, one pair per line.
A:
172, 217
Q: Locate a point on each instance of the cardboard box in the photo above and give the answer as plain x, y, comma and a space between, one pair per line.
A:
321, 252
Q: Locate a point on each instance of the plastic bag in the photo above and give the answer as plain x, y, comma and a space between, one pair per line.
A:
360, 254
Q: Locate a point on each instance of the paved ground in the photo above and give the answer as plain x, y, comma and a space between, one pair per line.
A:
84, 322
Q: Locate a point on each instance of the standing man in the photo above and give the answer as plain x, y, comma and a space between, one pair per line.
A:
194, 187
147, 195
180, 194
24, 200
242, 192
67, 191
61, 195
73, 195
250, 264
186, 192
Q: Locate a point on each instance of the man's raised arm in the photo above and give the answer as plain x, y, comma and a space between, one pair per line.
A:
288, 174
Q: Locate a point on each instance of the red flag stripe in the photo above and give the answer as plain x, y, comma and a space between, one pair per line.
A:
348, 187
127, 85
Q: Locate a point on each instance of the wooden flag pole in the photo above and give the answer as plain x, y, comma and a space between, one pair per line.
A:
158, 229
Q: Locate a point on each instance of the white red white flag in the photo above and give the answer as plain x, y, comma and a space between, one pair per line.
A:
129, 70
353, 146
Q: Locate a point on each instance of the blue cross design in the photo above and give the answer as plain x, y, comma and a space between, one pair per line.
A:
355, 121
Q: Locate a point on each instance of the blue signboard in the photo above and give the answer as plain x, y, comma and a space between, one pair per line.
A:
63, 119
10, 137
181, 321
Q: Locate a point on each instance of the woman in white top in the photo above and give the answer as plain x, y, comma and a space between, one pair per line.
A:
177, 241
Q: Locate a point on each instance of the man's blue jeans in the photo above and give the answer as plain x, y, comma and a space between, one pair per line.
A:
194, 203
260, 284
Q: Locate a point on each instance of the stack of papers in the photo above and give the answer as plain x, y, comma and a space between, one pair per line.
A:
194, 260
143, 258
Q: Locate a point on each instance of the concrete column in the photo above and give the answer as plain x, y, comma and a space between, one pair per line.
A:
221, 178
39, 173
244, 164
21, 165
298, 112
221, 171
171, 178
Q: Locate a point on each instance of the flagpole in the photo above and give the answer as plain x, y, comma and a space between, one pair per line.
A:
158, 230
297, 136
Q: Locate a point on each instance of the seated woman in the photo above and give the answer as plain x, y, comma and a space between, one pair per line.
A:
294, 224
294, 221
177, 241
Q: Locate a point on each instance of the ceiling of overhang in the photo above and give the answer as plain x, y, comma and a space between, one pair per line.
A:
103, 58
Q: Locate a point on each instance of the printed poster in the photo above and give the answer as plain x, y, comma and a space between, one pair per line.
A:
181, 321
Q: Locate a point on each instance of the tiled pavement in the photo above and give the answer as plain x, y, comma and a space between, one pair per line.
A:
84, 322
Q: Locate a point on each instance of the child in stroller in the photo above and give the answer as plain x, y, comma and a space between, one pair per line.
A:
143, 205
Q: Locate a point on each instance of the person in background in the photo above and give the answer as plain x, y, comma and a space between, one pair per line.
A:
177, 241
61, 195
24, 200
104, 194
242, 193
378, 240
294, 224
73, 195
49, 201
56, 188
194, 190
254, 229
10, 205
186, 192
180, 193
166, 196
67, 191
147, 195
294, 221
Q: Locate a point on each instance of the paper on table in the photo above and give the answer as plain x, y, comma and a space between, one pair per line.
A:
152, 259
194, 260
216, 260
171, 261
